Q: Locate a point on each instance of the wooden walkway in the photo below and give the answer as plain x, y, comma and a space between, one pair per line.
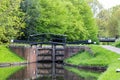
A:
112, 48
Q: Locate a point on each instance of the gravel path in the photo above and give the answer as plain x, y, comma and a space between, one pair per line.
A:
112, 48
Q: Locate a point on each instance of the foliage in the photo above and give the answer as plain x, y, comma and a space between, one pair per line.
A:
95, 6
7, 71
32, 13
70, 17
20, 18
116, 44
11, 20
102, 20
102, 57
109, 22
114, 22
89, 22
8, 56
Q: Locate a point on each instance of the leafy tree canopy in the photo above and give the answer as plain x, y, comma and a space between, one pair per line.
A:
10, 20
70, 17
109, 22
20, 18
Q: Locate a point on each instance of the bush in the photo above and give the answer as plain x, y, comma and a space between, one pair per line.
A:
117, 44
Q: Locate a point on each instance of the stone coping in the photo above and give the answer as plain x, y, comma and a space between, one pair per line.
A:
13, 64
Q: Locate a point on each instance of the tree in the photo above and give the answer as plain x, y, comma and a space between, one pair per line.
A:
11, 20
95, 6
70, 17
103, 21
114, 22
89, 22
109, 22
31, 9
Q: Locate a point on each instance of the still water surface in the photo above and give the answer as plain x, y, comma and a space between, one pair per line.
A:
50, 71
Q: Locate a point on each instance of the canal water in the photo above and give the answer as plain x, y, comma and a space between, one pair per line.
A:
48, 71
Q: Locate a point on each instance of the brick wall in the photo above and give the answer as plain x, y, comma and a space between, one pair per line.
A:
71, 50
29, 53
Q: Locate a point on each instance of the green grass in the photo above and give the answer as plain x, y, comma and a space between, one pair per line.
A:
110, 73
6, 55
8, 71
102, 57
87, 75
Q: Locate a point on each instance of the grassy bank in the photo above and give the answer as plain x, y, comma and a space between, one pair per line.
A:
6, 55
102, 57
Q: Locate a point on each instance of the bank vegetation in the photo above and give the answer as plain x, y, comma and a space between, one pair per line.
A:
101, 58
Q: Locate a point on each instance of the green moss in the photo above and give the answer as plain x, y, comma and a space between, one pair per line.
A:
6, 55
7, 71
102, 57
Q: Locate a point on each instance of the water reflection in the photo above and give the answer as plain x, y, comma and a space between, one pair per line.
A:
46, 71
83, 74
49, 71
5, 72
27, 73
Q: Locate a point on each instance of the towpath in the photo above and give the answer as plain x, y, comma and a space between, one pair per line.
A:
112, 48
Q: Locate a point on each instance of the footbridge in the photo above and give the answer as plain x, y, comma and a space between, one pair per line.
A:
47, 48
